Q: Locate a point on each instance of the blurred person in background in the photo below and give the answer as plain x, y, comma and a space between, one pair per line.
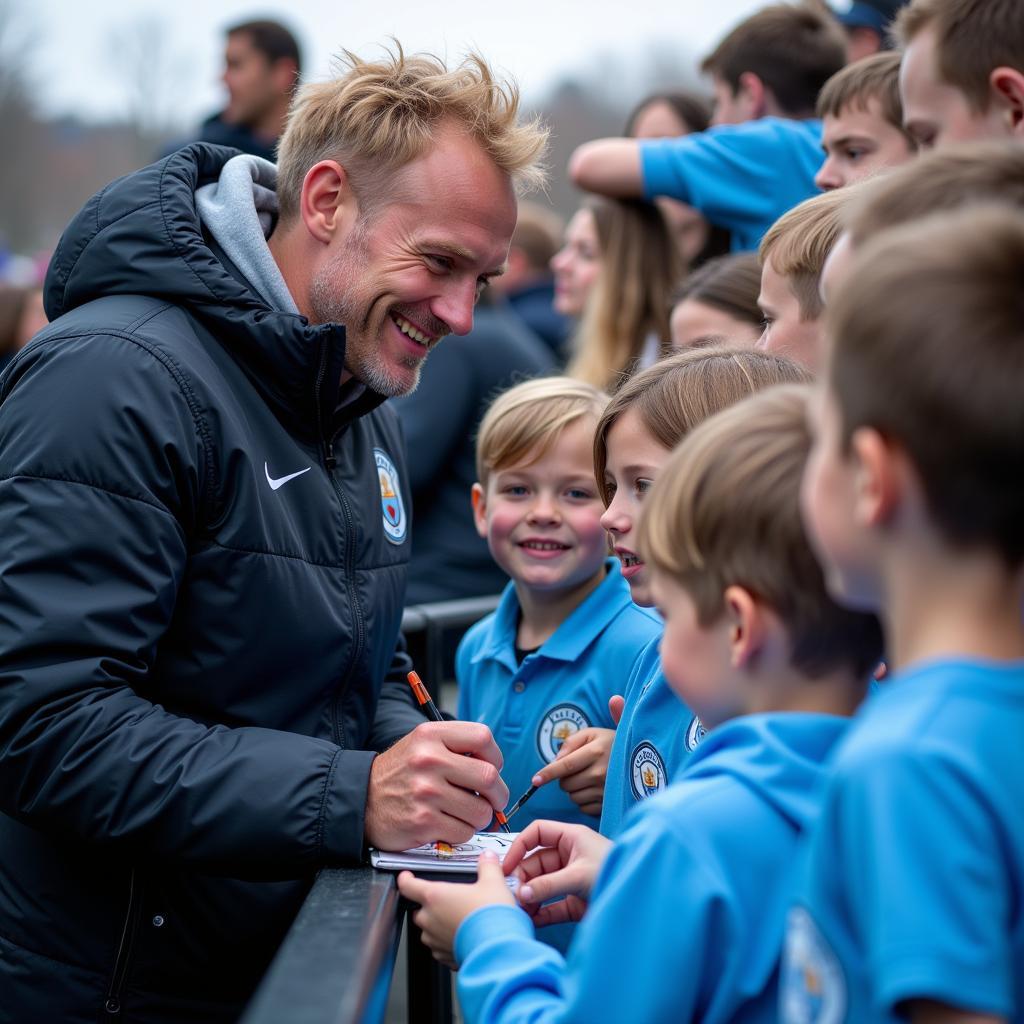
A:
440, 418
262, 64
666, 115
625, 325
528, 284
866, 23
719, 300
21, 316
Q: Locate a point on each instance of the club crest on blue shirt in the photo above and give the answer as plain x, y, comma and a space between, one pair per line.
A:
647, 774
557, 726
812, 988
695, 732
392, 510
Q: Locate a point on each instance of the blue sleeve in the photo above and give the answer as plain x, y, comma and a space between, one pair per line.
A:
634, 958
741, 177
918, 826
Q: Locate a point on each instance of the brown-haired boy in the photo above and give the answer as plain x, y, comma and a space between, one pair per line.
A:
759, 158
792, 255
862, 122
963, 70
911, 906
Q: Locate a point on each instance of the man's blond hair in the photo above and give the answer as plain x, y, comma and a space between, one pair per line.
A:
972, 39
799, 242
941, 179
725, 511
378, 116
525, 421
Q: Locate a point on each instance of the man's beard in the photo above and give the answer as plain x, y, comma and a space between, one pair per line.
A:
332, 300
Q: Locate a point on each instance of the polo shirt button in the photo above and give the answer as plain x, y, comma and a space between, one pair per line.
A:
520, 686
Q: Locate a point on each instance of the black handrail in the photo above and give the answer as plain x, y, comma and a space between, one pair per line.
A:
336, 962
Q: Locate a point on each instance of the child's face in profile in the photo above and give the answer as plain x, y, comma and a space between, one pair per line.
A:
827, 501
786, 332
634, 457
695, 658
859, 141
542, 517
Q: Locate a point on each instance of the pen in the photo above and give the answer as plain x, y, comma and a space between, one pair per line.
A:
522, 800
430, 708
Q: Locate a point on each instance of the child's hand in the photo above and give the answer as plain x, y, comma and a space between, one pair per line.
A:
445, 905
565, 866
581, 768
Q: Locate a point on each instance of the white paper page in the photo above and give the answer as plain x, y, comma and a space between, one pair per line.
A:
460, 858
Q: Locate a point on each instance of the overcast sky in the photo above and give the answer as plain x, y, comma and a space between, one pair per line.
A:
83, 56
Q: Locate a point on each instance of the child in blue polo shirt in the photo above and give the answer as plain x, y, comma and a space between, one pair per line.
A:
912, 907
760, 156
683, 915
645, 419
566, 635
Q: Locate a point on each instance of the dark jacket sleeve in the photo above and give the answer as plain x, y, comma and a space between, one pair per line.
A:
397, 710
103, 474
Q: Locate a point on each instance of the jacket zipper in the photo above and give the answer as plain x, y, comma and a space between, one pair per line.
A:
113, 1002
330, 462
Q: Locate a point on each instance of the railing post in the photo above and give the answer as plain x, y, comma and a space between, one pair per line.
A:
429, 983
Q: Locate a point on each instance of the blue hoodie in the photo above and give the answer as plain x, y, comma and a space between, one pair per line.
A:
687, 914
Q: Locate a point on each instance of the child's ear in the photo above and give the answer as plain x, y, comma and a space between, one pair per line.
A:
479, 498
876, 484
746, 623
1008, 86
754, 94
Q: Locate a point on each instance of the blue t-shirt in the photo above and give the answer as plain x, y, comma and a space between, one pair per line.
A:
739, 176
914, 885
656, 735
687, 913
559, 689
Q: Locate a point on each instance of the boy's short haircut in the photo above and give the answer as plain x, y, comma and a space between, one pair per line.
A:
874, 78
725, 511
378, 116
793, 48
799, 242
927, 348
728, 283
674, 395
941, 179
972, 38
526, 420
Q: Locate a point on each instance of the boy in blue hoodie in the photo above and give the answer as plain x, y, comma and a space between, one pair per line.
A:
912, 907
761, 154
682, 917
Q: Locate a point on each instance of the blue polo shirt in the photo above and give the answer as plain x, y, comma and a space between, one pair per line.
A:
739, 176
655, 737
687, 913
914, 884
559, 689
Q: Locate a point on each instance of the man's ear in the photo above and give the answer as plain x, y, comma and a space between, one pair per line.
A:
327, 204
479, 499
752, 93
877, 481
1007, 85
285, 73
746, 623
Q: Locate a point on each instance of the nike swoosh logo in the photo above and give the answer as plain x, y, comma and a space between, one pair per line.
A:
282, 480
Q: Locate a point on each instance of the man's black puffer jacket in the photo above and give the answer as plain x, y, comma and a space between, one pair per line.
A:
194, 655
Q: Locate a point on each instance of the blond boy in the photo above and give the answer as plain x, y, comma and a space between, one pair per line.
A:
914, 496
862, 122
962, 75
792, 255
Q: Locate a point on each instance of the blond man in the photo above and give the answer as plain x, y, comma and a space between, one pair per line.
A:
206, 536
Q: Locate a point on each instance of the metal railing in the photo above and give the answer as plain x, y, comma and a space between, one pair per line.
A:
336, 962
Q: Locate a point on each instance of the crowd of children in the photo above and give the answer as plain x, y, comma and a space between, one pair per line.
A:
740, 823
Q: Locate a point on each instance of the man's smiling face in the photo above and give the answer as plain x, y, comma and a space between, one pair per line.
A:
410, 270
